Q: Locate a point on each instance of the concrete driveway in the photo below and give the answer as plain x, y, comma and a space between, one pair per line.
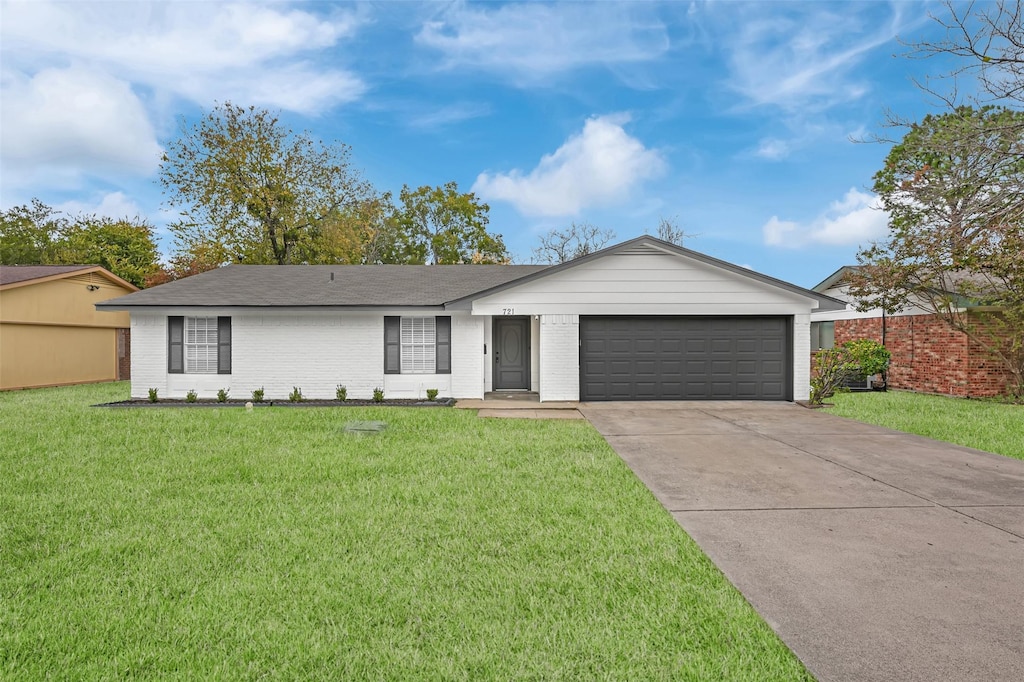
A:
874, 554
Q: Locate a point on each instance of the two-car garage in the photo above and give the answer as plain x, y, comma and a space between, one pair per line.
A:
686, 358
649, 320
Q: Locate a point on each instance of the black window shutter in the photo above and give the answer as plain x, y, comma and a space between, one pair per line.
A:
443, 345
223, 345
392, 345
176, 345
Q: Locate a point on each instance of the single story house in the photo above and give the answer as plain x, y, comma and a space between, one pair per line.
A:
643, 320
52, 334
928, 355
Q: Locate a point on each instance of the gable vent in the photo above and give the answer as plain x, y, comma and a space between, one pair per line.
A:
639, 250
89, 278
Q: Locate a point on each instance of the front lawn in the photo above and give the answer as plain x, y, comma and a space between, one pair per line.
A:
982, 424
220, 543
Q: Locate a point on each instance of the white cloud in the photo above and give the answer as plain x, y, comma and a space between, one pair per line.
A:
202, 51
531, 42
804, 61
854, 220
299, 87
83, 82
114, 205
599, 165
446, 115
65, 120
772, 148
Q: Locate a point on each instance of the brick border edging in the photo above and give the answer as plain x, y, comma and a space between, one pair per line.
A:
144, 403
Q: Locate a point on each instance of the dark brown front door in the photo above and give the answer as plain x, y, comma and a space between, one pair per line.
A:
511, 353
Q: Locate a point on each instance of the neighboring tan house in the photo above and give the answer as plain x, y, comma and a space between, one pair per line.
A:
643, 320
50, 331
928, 355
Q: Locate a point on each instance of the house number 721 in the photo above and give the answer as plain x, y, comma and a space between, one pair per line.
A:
508, 311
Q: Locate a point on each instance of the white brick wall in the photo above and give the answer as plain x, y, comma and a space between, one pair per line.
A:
149, 354
314, 351
468, 359
559, 357
801, 357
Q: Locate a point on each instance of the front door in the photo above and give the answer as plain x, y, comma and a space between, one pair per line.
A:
511, 353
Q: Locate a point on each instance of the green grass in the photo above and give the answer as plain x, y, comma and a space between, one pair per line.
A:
219, 543
982, 424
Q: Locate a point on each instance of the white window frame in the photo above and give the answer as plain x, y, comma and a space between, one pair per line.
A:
418, 345
200, 345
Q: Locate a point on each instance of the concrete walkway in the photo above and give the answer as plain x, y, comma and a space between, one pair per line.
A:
519, 406
874, 554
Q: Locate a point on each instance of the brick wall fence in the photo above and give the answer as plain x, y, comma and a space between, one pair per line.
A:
124, 354
928, 356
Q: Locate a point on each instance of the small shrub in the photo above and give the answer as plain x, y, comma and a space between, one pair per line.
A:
870, 356
832, 367
257, 395
152, 395
296, 395
222, 395
431, 394
191, 396
378, 395
341, 392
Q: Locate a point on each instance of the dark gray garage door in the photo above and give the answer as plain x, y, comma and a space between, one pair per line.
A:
685, 358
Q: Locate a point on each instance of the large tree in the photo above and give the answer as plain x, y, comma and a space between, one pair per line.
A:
251, 190
987, 41
27, 234
669, 231
574, 241
954, 192
123, 246
440, 225
36, 234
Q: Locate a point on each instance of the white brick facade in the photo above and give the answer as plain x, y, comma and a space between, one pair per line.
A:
801, 357
560, 357
317, 349
312, 351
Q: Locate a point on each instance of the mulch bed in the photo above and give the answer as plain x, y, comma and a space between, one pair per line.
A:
173, 402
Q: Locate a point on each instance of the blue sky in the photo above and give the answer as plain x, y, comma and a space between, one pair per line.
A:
734, 119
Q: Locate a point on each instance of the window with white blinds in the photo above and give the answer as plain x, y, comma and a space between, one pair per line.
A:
419, 338
201, 345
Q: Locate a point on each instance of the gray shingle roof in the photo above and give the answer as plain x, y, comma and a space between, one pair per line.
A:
9, 274
311, 285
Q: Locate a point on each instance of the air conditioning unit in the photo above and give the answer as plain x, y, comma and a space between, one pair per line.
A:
858, 383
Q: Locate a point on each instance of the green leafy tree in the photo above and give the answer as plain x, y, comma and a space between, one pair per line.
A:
27, 234
443, 226
251, 190
125, 247
38, 235
954, 192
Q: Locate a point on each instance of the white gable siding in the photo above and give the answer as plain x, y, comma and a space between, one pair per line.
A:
842, 292
279, 350
652, 283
